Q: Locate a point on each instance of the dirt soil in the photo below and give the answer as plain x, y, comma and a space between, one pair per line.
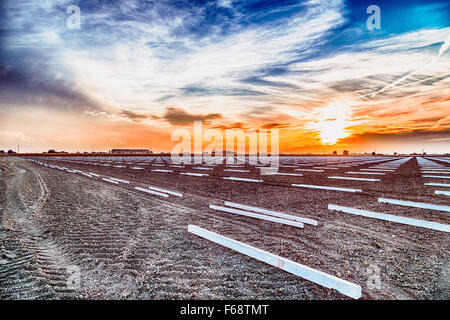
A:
129, 245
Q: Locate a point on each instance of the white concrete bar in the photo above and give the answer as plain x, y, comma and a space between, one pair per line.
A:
161, 170
272, 213
176, 194
152, 192
445, 193
283, 174
195, 174
436, 172
120, 180
392, 218
446, 185
112, 181
242, 179
329, 281
438, 177
356, 179
137, 168
309, 170
94, 174
325, 187
235, 170
415, 204
257, 216
373, 173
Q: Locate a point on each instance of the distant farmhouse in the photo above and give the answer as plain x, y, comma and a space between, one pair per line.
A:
131, 151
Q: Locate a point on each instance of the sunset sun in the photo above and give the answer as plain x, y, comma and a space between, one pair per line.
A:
332, 122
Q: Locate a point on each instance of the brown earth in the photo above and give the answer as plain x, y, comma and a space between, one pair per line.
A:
128, 245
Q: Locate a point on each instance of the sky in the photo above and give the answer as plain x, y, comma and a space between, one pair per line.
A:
137, 70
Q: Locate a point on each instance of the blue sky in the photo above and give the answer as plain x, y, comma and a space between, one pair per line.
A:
144, 67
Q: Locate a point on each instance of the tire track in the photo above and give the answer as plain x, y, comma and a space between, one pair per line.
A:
33, 265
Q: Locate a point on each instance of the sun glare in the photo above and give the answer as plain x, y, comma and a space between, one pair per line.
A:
332, 123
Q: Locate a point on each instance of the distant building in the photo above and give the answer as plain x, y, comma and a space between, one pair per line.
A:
54, 151
131, 151
345, 152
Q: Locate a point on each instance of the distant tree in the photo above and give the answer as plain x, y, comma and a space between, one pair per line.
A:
11, 152
52, 151
334, 152
2, 151
395, 153
345, 152
373, 153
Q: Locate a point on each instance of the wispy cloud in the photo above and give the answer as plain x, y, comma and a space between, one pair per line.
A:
230, 63
179, 117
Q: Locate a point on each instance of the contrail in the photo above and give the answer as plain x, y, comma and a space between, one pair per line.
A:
442, 50
391, 86
405, 85
445, 46
423, 80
